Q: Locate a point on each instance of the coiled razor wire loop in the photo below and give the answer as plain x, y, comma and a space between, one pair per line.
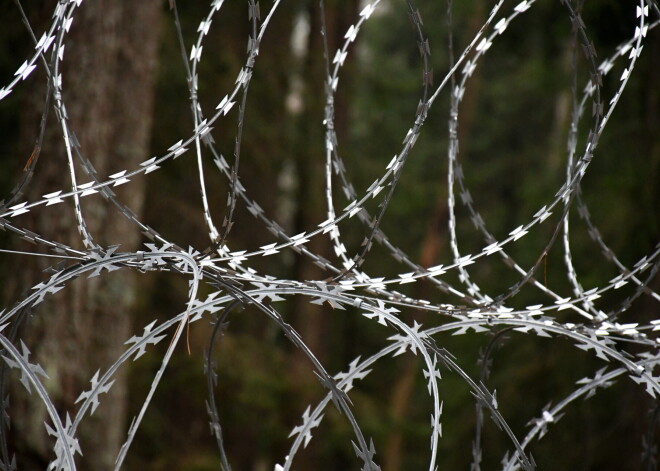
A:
345, 283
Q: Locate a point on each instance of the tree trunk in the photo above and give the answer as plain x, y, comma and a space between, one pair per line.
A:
431, 247
311, 320
108, 80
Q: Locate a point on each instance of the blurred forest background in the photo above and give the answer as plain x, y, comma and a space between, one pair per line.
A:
129, 100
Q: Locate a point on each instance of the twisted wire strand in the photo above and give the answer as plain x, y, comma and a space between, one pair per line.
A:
349, 288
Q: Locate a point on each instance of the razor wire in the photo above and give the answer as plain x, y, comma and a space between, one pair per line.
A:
469, 309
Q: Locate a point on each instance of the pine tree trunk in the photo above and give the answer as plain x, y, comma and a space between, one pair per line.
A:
108, 81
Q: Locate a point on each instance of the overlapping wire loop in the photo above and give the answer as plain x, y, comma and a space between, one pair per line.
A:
604, 333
